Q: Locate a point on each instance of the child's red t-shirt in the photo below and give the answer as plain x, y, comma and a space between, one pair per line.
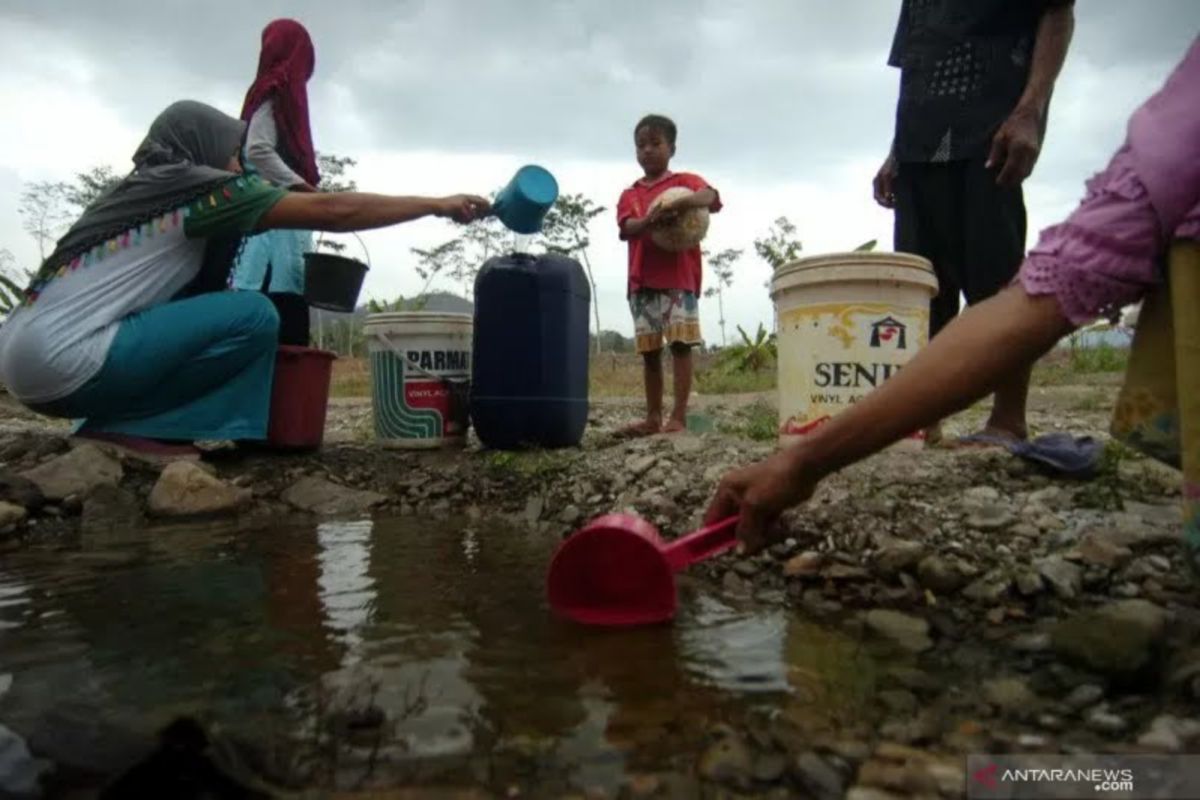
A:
651, 267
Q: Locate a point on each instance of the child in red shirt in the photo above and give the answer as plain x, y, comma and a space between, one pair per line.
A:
664, 287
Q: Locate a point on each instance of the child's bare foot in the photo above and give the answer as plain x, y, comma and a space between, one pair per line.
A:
644, 428
674, 426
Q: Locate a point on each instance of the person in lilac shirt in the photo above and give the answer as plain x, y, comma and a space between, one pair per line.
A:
1134, 237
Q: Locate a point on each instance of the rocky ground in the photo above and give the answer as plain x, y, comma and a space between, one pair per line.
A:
1064, 609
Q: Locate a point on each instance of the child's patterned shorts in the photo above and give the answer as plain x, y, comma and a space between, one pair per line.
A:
664, 315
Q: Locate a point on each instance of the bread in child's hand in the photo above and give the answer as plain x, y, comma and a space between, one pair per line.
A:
686, 230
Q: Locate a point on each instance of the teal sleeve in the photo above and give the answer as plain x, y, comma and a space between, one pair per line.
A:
233, 207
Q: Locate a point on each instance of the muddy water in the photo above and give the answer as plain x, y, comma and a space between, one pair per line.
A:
295, 639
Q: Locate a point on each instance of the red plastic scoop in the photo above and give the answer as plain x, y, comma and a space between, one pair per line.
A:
618, 571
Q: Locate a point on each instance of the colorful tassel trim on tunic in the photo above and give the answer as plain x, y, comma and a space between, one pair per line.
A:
135, 236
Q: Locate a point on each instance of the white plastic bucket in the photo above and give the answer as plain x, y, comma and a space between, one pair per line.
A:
846, 323
420, 377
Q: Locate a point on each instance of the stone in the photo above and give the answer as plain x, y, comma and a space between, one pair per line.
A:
108, 508
11, 515
644, 785
845, 572
1065, 578
637, 466
20, 772
1100, 551
1025, 530
1102, 721
804, 565
746, 568
320, 496
988, 589
942, 575
978, 496
910, 633
533, 508
78, 472
570, 515
1051, 497
896, 556
870, 793
184, 490
1083, 696
1029, 583
1050, 722
1168, 734
1141, 570
991, 518
769, 767
1184, 668
727, 761
1032, 642
1119, 639
898, 701
734, 584
1010, 695
818, 776
1049, 523
20, 491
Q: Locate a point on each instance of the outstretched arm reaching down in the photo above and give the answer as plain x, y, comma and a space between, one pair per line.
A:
974, 354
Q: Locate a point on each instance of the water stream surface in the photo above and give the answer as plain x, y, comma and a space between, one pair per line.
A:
296, 638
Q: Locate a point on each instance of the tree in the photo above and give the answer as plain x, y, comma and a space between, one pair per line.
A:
90, 185
780, 245
480, 241
447, 257
10, 292
333, 169
45, 211
722, 265
334, 178
751, 355
567, 230
47, 207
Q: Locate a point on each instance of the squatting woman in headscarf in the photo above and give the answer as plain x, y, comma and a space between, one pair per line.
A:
127, 326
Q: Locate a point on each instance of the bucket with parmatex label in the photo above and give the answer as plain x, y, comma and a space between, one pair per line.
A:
846, 323
420, 365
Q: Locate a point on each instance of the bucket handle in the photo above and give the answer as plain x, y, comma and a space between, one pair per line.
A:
361, 243
383, 337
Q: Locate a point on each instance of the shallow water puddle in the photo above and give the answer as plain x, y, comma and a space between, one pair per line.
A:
299, 635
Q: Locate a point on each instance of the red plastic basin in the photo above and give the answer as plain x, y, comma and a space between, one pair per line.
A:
299, 398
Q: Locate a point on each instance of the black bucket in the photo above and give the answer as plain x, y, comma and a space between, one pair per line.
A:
333, 282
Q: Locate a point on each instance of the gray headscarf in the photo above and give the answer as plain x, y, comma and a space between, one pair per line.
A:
182, 157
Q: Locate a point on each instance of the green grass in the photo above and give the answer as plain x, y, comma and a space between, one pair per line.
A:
1068, 366
723, 381
528, 464
758, 421
350, 378
1102, 358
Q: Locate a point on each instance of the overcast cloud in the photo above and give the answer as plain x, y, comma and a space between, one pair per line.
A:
785, 105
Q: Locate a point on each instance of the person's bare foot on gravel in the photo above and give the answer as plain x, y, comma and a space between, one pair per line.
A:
674, 426
647, 427
991, 436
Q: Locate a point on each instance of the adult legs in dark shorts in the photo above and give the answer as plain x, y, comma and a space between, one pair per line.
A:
973, 231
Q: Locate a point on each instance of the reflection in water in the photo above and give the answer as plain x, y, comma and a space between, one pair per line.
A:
448, 629
345, 585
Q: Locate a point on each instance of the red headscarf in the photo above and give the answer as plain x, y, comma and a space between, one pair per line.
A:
284, 67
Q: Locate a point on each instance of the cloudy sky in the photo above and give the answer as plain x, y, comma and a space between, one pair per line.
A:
786, 106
